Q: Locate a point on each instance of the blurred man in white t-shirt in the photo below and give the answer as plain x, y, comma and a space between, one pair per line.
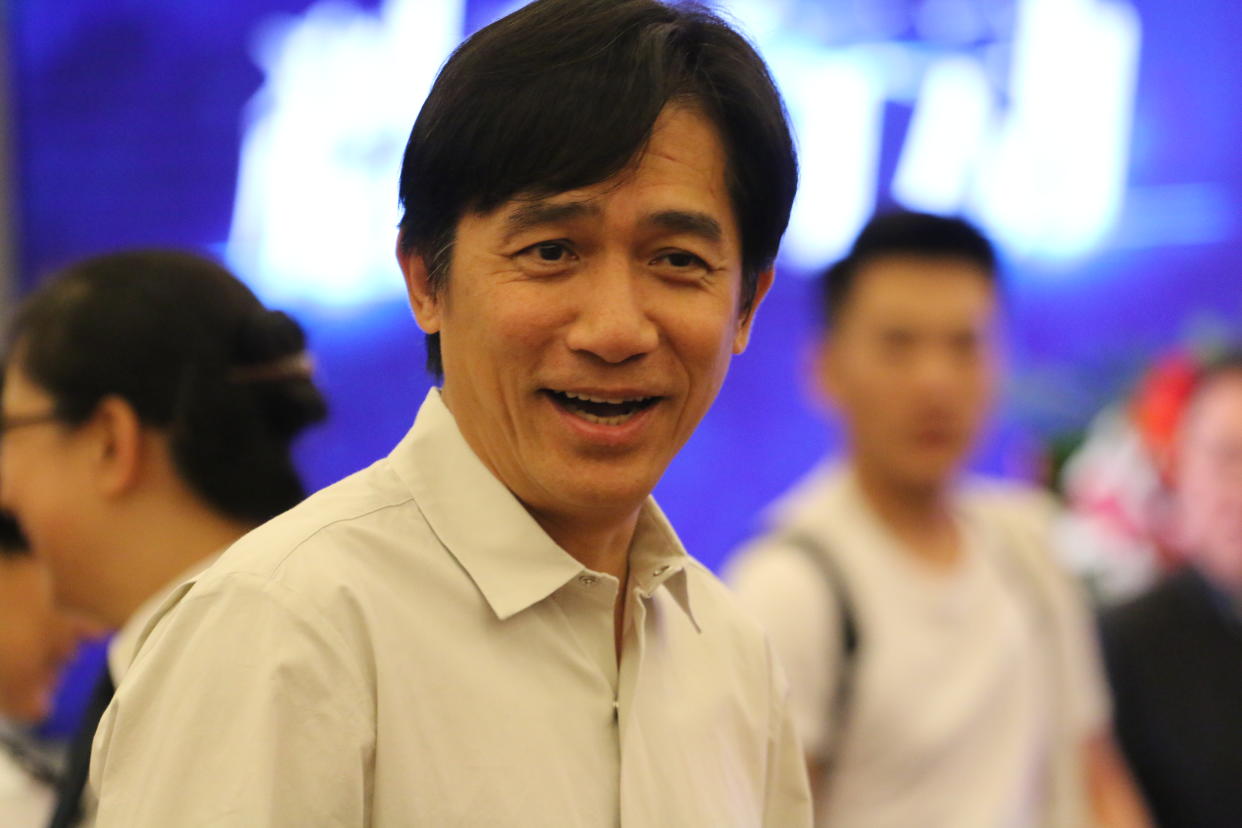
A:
942, 670
36, 639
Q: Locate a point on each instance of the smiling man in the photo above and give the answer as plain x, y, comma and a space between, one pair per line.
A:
495, 625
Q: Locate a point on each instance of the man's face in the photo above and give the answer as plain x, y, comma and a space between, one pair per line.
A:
584, 334
910, 364
45, 484
35, 639
1209, 480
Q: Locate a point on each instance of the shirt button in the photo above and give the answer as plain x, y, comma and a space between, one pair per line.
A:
587, 580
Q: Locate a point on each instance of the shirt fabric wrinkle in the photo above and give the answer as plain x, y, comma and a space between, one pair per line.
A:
483, 681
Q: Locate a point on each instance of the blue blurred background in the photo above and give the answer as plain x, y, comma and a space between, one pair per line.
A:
1095, 139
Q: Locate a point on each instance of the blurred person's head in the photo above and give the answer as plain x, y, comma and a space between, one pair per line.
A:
36, 638
146, 394
594, 194
1208, 477
908, 355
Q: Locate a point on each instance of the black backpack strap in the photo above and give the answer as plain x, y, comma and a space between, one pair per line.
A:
817, 552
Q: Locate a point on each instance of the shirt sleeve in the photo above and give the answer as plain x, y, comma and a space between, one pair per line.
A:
787, 803
788, 596
242, 708
1028, 519
1082, 662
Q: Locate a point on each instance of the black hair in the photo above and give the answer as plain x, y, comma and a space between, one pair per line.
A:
1224, 363
563, 94
13, 543
195, 354
904, 232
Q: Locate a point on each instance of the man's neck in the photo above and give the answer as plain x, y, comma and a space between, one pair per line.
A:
600, 544
159, 550
920, 516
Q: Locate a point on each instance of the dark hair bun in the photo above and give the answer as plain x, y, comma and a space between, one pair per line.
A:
290, 405
272, 362
12, 542
195, 353
267, 335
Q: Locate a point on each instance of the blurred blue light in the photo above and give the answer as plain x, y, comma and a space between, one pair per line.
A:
316, 208
951, 22
1036, 147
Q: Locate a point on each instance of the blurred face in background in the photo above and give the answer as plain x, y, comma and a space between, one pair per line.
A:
910, 364
46, 483
35, 639
1209, 480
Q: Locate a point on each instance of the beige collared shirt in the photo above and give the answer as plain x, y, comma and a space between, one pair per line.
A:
25, 802
124, 645
409, 648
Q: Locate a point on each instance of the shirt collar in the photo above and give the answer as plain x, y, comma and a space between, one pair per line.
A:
512, 561
657, 559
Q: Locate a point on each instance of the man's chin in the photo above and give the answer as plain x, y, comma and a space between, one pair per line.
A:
604, 496
930, 474
30, 708
600, 488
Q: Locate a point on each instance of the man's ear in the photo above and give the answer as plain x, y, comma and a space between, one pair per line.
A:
423, 299
825, 369
741, 338
119, 451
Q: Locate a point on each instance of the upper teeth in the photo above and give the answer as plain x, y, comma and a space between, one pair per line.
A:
589, 398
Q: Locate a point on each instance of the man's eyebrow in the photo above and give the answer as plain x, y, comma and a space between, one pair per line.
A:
536, 213
688, 221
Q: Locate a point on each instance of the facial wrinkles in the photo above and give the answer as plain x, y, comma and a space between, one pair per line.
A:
606, 310
619, 230
505, 425
723, 285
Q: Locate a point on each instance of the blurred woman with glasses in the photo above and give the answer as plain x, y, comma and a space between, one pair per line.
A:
148, 410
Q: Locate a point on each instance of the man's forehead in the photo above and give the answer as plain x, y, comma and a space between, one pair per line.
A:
1217, 405
523, 214
684, 150
898, 265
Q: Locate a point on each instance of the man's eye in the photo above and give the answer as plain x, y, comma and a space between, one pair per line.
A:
964, 345
681, 260
550, 251
897, 340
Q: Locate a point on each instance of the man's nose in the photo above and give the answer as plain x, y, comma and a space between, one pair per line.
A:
613, 321
935, 373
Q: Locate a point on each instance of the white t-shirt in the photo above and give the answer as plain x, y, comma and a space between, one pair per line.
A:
409, 648
970, 686
25, 802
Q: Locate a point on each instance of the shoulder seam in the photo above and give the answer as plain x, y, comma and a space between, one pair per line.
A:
311, 535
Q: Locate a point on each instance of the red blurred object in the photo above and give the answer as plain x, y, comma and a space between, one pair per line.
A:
1119, 483
1157, 406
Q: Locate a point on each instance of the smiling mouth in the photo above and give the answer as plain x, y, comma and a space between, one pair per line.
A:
601, 410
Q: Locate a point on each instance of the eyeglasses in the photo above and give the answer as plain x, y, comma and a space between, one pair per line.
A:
8, 423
